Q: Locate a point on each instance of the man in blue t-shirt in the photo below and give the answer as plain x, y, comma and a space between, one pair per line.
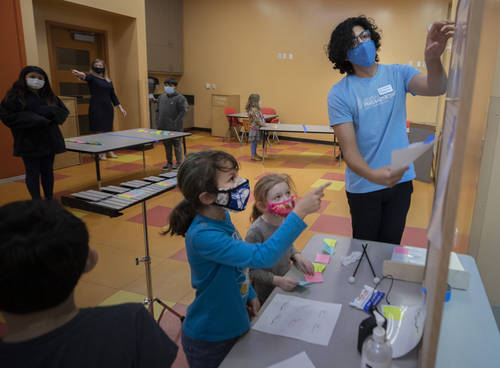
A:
367, 110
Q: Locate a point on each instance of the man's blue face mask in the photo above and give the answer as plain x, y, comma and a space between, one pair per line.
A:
363, 54
169, 90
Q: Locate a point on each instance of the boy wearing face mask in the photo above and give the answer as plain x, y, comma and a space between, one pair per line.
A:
274, 200
172, 108
367, 109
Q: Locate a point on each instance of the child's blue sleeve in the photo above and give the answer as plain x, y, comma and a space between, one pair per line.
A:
215, 245
251, 293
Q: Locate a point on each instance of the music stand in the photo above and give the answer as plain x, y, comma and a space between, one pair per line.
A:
150, 299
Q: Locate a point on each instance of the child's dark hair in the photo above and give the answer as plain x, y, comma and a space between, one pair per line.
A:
342, 40
263, 187
171, 81
197, 174
43, 252
20, 88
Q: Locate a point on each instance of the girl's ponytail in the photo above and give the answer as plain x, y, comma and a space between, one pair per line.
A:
181, 218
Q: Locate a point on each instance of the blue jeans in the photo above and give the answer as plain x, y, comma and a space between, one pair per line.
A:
206, 354
253, 148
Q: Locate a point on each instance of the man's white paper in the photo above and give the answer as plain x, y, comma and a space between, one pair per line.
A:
404, 157
299, 318
297, 361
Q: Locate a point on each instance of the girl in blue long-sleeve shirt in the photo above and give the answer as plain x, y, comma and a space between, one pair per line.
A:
219, 259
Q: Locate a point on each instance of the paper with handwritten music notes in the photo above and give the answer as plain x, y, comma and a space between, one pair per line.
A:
299, 318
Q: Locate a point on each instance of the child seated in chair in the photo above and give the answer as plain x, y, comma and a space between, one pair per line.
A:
43, 252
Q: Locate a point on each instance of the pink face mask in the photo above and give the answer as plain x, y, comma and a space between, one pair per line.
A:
282, 208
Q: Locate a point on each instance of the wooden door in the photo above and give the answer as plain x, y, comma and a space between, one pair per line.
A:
13, 60
68, 51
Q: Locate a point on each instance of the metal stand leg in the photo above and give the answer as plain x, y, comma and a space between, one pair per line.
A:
184, 144
150, 299
97, 170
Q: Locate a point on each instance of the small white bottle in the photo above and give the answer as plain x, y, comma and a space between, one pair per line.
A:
376, 351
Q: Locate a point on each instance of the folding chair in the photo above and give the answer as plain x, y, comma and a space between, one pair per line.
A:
233, 124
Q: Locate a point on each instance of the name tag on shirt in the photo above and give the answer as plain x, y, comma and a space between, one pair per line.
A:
385, 90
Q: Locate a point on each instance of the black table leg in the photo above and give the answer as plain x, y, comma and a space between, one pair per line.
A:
97, 170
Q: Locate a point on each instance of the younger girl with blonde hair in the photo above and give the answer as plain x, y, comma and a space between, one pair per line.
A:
274, 200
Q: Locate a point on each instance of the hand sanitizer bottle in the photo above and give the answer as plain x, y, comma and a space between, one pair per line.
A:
377, 352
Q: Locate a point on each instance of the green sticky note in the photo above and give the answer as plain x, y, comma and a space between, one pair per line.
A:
318, 267
330, 242
141, 130
158, 132
125, 195
392, 312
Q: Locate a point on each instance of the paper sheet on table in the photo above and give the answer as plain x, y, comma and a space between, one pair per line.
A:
298, 318
297, 361
404, 157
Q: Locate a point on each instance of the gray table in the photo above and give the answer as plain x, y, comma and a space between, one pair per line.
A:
256, 349
244, 115
296, 128
131, 138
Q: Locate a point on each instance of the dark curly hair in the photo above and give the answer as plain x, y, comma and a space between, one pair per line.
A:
341, 41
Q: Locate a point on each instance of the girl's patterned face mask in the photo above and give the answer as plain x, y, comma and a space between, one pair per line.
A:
282, 208
234, 199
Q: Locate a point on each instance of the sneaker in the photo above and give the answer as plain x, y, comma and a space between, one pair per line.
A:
112, 154
167, 167
256, 158
102, 157
176, 166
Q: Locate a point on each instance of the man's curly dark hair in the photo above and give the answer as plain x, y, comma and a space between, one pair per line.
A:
342, 41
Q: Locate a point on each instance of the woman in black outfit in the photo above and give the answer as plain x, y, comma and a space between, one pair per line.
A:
102, 99
33, 112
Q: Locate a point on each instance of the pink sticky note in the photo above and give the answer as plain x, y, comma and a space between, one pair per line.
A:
317, 277
401, 250
322, 258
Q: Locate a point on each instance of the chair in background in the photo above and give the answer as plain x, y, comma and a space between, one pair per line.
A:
233, 124
270, 111
244, 130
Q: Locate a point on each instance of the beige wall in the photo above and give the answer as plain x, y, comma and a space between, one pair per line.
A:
124, 23
485, 232
234, 44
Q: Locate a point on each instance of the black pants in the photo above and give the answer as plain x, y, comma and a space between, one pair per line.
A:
37, 167
380, 215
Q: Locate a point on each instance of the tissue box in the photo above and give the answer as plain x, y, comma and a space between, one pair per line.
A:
408, 264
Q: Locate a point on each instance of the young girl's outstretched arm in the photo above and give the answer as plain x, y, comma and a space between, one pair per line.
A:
214, 244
